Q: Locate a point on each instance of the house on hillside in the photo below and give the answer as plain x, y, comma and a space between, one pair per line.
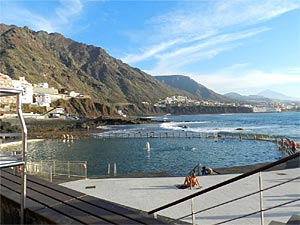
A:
58, 112
22, 83
6, 82
74, 94
43, 99
42, 85
44, 94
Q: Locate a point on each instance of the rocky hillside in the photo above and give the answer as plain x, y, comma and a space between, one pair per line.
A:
185, 83
69, 65
248, 98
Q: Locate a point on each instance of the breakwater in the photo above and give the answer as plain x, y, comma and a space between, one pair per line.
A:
172, 134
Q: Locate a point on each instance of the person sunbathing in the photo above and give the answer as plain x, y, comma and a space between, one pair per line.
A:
191, 181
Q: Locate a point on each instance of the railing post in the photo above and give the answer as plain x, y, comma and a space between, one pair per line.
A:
51, 174
261, 200
108, 169
155, 216
115, 169
85, 169
192, 212
53, 167
69, 174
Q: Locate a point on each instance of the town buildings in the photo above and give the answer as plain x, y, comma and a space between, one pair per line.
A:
42, 95
35, 94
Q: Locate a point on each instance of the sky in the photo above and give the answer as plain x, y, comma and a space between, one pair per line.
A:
243, 46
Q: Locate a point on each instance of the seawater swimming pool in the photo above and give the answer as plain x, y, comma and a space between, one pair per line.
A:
176, 156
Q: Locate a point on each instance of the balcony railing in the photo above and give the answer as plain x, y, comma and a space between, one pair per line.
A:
238, 178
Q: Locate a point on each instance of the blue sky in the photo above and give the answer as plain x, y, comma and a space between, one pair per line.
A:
243, 46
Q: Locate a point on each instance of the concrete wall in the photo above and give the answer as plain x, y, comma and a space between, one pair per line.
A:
11, 211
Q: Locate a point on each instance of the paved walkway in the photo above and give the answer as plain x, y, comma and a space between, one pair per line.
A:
149, 193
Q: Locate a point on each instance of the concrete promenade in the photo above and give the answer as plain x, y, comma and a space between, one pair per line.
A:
149, 193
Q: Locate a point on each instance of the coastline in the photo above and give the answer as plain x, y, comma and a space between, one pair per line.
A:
60, 128
15, 143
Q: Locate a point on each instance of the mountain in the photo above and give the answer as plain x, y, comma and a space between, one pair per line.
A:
187, 84
264, 96
276, 95
68, 65
249, 98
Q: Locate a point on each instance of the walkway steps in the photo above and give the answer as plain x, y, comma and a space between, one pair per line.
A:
61, 205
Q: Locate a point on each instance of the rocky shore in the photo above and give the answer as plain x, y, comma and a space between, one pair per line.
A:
56, 128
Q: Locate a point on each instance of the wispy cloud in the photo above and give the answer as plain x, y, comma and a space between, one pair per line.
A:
294, 70
204, 30
203, 49
21, 16
60, 20
68, 10
242, 79
149, 52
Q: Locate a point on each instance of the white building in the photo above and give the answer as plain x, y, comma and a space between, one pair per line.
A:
60, 110
182, 99
43, 99
6, 82
73, 94
43, 85
265, 109
22, 83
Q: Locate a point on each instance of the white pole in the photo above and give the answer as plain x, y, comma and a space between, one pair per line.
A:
261, 200
115, 169
192, 212
24, 172
51, 174
85, 169
53, 167
23, 194
69, 175
108, 169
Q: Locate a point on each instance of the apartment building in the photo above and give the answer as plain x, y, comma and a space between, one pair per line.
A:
6, 82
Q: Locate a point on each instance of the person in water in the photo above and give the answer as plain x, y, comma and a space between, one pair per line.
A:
191, 181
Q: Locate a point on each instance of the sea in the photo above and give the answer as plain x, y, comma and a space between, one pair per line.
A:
177, 143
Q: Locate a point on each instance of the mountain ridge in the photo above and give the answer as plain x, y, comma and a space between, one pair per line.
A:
69, 65
187, 84
276, 95
72, 66
264, 96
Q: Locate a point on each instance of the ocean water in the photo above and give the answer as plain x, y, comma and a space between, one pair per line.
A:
177, 156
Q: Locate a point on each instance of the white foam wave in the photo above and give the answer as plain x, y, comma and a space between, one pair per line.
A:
103, 127
178, 125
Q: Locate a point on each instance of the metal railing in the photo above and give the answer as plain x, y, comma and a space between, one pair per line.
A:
49, 169
229, 181
5, 92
